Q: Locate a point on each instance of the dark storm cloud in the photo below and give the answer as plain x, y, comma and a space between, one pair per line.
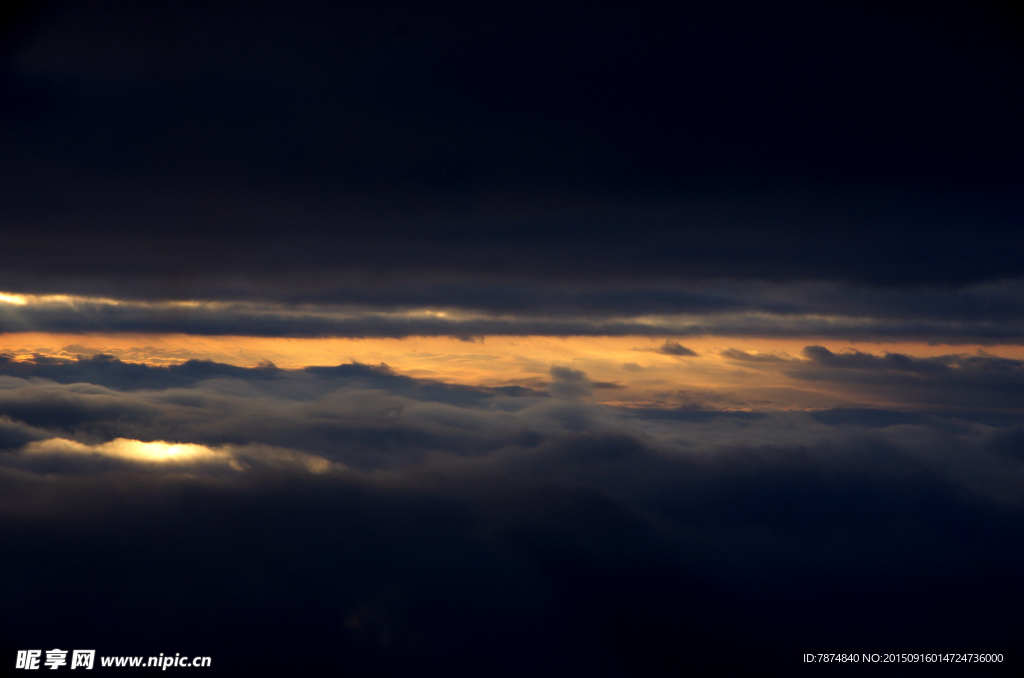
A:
403, 156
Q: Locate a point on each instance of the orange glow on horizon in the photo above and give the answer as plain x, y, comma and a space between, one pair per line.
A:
628, 370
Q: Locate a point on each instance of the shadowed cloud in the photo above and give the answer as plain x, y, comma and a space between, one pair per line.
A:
753, 309
671, 347
411, 524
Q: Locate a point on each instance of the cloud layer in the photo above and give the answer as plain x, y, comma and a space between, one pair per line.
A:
408, 524
992, 313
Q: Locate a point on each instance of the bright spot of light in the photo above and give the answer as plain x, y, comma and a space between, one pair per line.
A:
167, 454
156, 451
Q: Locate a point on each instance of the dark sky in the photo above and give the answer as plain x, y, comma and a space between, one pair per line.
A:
820, 173
337, 152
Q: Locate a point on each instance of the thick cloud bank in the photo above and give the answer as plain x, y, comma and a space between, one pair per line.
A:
992, 313
349, 516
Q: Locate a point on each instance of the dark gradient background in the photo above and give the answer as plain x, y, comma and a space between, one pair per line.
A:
819, 171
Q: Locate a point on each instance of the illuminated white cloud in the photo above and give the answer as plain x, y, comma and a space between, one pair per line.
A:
158, 451
161, 452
